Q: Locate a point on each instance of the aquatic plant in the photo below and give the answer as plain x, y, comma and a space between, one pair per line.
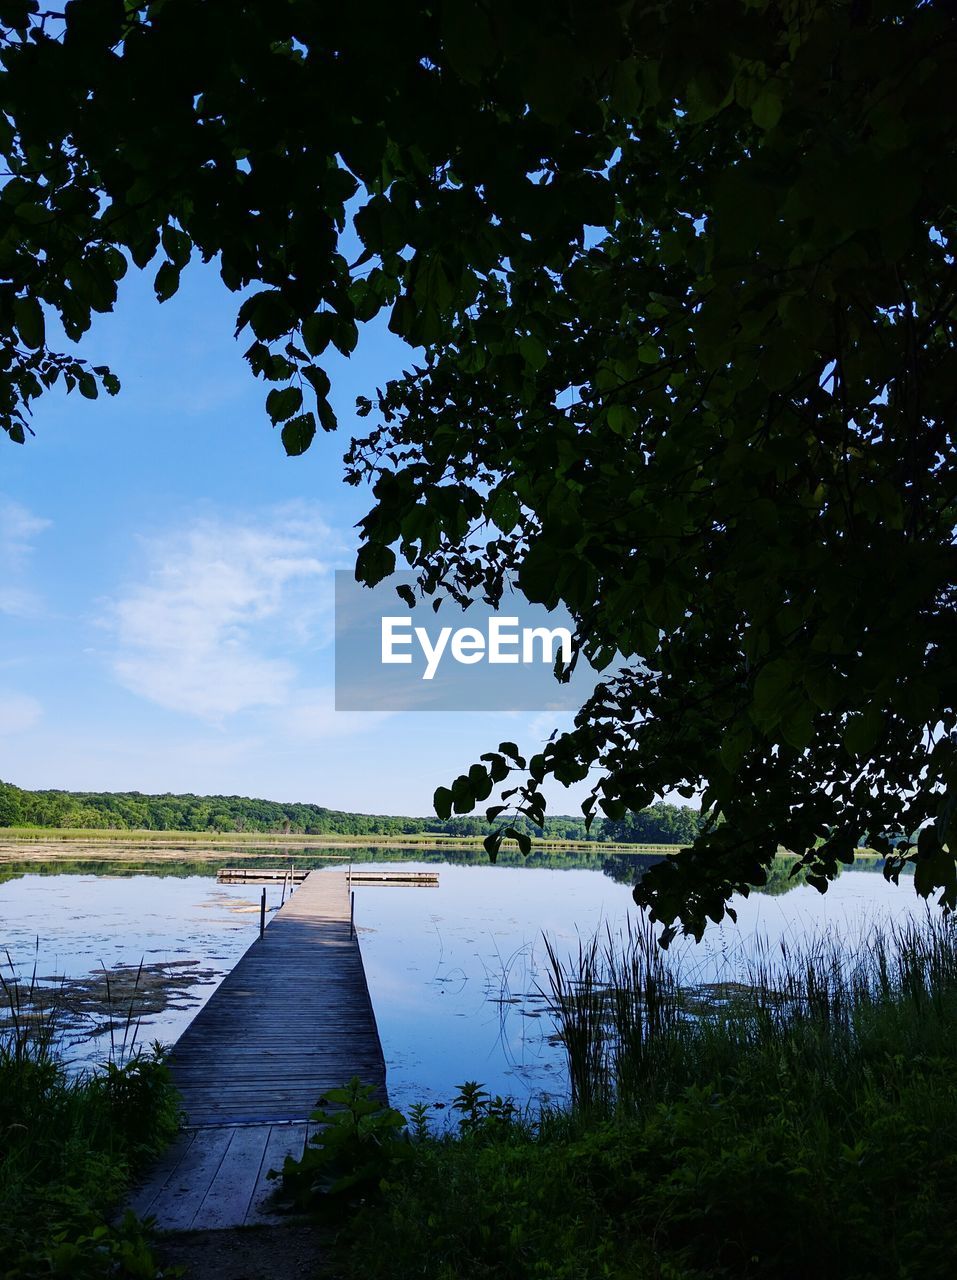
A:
632, 1017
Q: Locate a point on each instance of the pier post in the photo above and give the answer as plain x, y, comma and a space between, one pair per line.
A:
262, 913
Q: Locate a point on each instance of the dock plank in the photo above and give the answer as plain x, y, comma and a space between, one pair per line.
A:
144, 1197
230, 1193
284, 1140
176, 1205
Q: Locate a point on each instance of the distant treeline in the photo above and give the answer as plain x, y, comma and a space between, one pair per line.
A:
130, 810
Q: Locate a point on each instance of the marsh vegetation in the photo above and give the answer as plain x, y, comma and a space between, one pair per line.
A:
69, 1145
800, 1121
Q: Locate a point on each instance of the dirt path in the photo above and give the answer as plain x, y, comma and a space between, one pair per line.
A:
252, 1253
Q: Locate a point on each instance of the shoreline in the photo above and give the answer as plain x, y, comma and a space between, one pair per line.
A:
35, 844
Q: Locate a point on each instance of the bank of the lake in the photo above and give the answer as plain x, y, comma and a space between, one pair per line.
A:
28, 842
70, 1147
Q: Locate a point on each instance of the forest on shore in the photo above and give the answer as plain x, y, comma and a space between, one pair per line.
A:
132, 810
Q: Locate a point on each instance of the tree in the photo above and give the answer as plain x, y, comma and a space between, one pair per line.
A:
658, 824
684, 285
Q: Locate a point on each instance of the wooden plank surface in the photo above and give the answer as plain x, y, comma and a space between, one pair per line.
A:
217, 1178
177, 1201
144, 1196
284, 1140
292, 1020
228, 1196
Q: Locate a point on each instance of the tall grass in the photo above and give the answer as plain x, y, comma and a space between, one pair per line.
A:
69, 1144
615, 1005
638, 1027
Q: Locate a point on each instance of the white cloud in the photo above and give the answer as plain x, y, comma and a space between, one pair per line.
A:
18, 530
205, 628
18, 712
311, 716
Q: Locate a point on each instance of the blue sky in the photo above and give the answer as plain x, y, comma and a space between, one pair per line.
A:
166, 584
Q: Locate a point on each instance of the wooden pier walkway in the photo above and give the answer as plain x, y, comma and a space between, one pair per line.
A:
290, 876
292, 1020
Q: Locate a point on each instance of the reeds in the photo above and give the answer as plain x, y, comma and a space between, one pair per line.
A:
637, 1025
29, 1030
616, 1005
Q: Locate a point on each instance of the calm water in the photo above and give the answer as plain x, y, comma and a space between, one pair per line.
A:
456, 972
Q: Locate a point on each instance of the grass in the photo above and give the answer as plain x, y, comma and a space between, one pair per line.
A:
798, 1119
68, 1148
153, 838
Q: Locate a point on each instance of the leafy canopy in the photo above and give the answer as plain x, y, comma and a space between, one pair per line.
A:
684, 284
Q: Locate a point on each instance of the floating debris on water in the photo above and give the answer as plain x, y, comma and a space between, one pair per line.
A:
107, 998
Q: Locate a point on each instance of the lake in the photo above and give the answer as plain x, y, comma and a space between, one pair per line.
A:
456, 973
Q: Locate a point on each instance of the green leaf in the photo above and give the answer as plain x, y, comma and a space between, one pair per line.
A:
862, 731
28, 317
374, 562
797, 726
327, 417
177, 246
442, 802
767, 106
298, 433
267, 314
621, 419
318, 379
935, 868
481, 783
504, 509
735, 742
463, 797
533, 352
524, 842
317, 332
166, 282
345, 336
497, 767
773, 690
282, 404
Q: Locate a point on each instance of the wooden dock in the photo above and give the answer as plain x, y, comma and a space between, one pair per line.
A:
292, 876
292, 1020
216, 1178
408, 879
262, 875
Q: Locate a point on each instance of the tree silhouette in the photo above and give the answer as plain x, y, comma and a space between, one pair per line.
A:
683, 282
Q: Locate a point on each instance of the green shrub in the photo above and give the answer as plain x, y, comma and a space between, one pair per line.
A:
67, 1150
352, 1154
